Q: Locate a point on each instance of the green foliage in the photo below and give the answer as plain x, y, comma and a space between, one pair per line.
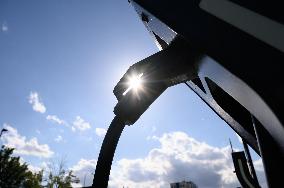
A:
13, 174
33, 180
60, 178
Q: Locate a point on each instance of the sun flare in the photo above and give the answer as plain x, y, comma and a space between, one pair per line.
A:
135, 83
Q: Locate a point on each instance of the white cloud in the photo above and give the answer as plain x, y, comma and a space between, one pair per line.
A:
259, 169
76, 185
179, 157
258, 165
58, 138
55, 119
154, 128
80, 124
42, 166
34, 169
4, 27
84, 170
38, 106
100, 132
24, 146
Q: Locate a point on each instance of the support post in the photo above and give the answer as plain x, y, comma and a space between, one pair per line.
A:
104, 162
250, 163
272, 158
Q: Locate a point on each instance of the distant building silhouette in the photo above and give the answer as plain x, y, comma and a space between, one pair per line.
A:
184, 184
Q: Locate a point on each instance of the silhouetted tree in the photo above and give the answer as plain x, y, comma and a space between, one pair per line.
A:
13, 174
33, 180
58, 177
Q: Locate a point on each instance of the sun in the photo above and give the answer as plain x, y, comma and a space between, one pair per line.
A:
134, 83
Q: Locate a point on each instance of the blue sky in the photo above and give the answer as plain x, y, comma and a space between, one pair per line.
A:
59, 62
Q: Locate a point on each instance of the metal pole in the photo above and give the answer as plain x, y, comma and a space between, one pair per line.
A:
231, 145
103, 167
250, 163
271, 155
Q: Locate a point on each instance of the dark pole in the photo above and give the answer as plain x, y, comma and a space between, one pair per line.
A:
271, 154
231, 145
250, 163
103, 167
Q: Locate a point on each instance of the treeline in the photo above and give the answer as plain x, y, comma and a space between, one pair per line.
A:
13, 174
